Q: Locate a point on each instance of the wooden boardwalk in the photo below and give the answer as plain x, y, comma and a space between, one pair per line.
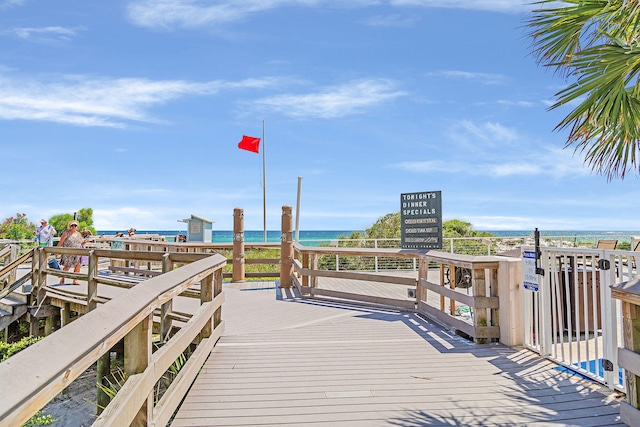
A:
290, 361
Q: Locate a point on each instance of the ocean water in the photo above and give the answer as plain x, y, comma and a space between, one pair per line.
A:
226, 236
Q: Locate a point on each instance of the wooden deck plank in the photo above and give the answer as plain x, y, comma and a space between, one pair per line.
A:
294, 361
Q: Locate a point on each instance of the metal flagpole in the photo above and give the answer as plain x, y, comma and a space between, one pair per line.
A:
264, 184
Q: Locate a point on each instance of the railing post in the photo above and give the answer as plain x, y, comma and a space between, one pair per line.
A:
305, 264
314, 267
137, 355
375, 245
511, 295
39, 259
238, 246
217, 290
629, 355
423, 273
92, 283
481, 317
286, 248
167, 308
206, 295
12, 257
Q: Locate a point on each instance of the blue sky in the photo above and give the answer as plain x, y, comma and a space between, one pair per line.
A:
135, 109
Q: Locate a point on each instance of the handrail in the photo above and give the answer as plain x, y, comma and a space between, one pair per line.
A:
9, 270
483, 274
16, 263
15, 285
72, 349
380, 252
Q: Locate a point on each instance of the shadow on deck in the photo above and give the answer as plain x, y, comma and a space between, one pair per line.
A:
286, 360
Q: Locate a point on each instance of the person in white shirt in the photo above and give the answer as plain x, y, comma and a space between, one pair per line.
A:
45, 233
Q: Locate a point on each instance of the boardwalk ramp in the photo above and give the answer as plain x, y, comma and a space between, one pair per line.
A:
291, 361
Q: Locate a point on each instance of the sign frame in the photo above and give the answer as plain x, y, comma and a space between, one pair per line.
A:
421, 220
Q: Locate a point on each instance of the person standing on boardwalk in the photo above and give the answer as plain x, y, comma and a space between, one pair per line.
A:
45, 233
71, 238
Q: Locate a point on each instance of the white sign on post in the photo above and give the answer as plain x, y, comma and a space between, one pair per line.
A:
529, 276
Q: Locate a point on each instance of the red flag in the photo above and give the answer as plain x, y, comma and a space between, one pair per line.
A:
249, 143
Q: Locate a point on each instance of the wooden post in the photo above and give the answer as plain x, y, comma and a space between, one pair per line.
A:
286, 248
442, 276
238, 246
103, 365
12, 257
494, 313
479, 287
92, 283
629, 356
423, 273
50, 322
65, 315
37, 293
137, 355
314, 267
305, 264
452, 284
217, 290
206, 295
167, 308
631, 330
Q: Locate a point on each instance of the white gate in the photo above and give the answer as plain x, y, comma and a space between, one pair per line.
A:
571, 318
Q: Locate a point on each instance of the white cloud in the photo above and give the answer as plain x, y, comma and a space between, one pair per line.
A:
43, 33
489, 132
509, 6
476, 77
332, 102
106, 102
516, 103
11, 3
498, 152
199, 13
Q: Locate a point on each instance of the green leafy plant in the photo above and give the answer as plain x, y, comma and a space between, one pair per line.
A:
9, 349
40, 419
116, 380
84, 217
17, 228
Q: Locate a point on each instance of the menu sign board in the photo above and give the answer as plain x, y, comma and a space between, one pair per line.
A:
421, 220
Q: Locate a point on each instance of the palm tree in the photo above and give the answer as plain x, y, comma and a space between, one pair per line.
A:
595, 43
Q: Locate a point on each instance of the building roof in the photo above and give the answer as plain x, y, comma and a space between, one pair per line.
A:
195, 217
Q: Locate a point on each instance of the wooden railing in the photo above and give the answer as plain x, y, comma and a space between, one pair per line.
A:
629, 355
11, 262
54, 362
307, 273
431, 290
237, 255
479, 295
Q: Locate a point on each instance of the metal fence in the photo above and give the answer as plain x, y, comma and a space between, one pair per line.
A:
481, 245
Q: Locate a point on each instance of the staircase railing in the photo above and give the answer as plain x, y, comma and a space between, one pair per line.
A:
33, 377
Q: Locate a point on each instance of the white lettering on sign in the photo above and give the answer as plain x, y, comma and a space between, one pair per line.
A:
418, 212
529, 276
421, 221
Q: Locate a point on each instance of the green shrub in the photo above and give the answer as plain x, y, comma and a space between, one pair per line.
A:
9, 349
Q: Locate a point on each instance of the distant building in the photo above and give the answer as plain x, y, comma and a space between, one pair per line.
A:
199, 229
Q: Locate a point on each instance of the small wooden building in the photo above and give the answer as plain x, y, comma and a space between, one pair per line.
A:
199, 229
